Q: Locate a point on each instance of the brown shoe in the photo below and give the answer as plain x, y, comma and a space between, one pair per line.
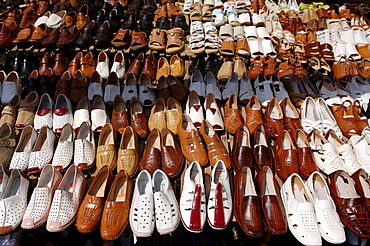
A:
120, 119
128, 153
242, 153
121, 39
64, 85
42, 7
274, 119
177, 89
233, 118
70, 19
74, 65
150, 66
45, 62
256, 68
139, 122
138, 42
286, 156
151, 157
254, 114
191, 142
23, 35
67, 37
215, 148
79, 87
60, 64
13, 16
52, 38
344, 115
27, 109
106, 153
28, 18
91, 209
273, 211
39, 34
136, 66
246, 205
7, 34
83, 16
262, 149
116, 209
171, 157
292, 121
88, 64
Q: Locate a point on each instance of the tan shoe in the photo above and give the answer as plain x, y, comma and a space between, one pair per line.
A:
239, 67
233, 118
226, 71
157, 118
192, 146
173, 114
106, 152
163, 68
8, 115
128, 154
26, 111
215, 148
254, 114
177, 66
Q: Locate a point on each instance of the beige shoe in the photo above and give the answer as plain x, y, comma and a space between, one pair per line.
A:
106, 152
163, 68
9, 113
239, 67
26, 111
173, 114
128, 154
226, 71
157, 118
177, 66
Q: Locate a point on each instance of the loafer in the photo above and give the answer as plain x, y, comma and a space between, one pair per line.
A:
298, 205
242, 153
262, 150
142, 214
274, 216
233, 118
14, 201
66, 201
62, 113
246, 205
254, 113
8, 114
173, 114
26, 110
146, 94
213, 113
8, 142
111, 88
37, 212
99, 116
43, 150
103, 36
106, 153
306, 161
274, 119
117, 205
157, 118
220, 198
130, 87
82, 113
89, 219
194, 109
63, 155
128, 152
171, 156
139, 122
11, 87
84, 147
120, 118
102, 66
22, 152
95, 86
119, 65
151, 157
310, 118
85, 38
193, 199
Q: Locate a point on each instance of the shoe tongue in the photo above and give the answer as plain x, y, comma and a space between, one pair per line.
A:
60, 111
43, 111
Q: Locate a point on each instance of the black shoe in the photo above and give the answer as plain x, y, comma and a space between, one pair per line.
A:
100, 17
85, 38
179, 21
114, 20
27, 66
197, 64
129, 22
163, 23
146, 23
15, 62
212, 64
119, 8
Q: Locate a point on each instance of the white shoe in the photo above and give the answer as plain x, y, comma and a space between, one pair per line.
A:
245, 19
66, 201
43, 19
327, 118
62, 113
119, 65
102, 66
193, 199
329, 224
43, 150
257, 20
84, 147
345, 151
4, 180
361, 148
99, 116
63, 155
325, 154
194, 109
22, 152
222, 203
44, 113
310, 117
300, 211
82, 113
38, 208
142, 217
213, 113
56, 20
167, 211
13, 202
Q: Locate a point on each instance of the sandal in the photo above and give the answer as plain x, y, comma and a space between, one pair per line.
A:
269, 67
175, 41
196, 13
138, 42
255, 47
227, 47
212, 44
327, 52
196, 27
256, 67
157, 39
242, 47
300, 53
313, 49
365, 68
284, 50
226, 31
207, 13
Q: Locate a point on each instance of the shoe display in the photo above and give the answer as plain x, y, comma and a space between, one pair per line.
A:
216, 102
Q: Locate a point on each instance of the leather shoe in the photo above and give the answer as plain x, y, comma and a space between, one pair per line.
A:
85, 38
151, 157
242, 152
103, 36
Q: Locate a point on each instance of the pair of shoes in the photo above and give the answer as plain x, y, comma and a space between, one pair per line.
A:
195, 111
139, 88
311, 210
172, 41
176, 67
193, 208
118, 65
165, 115
146, 65
162, 150
85, 63
153, 205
